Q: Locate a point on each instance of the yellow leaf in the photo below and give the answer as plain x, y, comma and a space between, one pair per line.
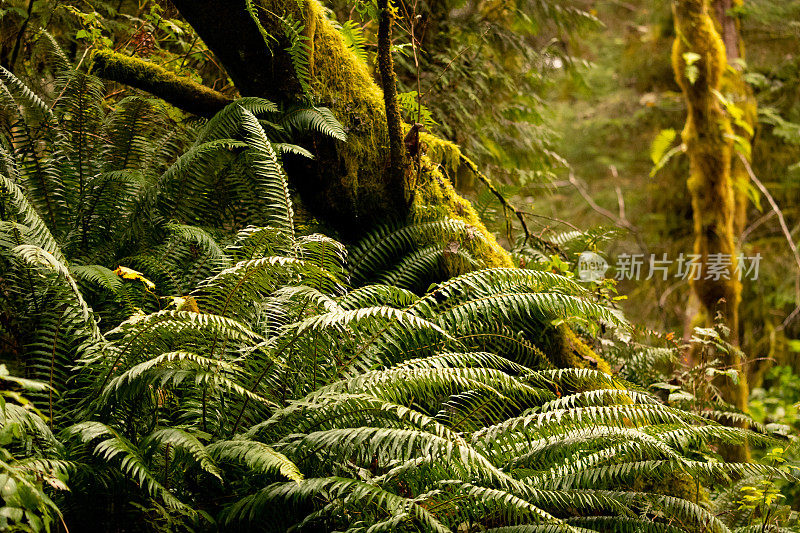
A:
187, 303
129, 273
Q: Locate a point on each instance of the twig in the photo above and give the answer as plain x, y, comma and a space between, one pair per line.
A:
788, 319
544, 243
784, 226
550, 185
554, 219
620, 202
622, 222
752, 227
620, 197
450, 63
505, 203
662, 301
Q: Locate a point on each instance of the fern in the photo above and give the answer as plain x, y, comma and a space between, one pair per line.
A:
354, 39
414, 110
299, 51
315, 119
262, 380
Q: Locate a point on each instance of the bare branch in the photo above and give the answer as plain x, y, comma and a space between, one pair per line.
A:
781, 219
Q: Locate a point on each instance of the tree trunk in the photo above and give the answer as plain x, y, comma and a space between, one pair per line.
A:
741, 95
347, 185
699, 61
350, 185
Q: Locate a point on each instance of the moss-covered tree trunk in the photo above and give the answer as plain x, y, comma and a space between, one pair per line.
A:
700, 61
740, 94
351, 185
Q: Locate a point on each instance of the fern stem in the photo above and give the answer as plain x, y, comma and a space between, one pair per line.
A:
53, 364
166, 465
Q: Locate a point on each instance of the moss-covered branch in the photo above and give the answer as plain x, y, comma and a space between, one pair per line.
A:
502, 199
178, 91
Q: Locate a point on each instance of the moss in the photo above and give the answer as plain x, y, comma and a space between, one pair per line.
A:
342, 82
442, 152
678, 485
356, 179
435, 197
177, 90
736, 88
708, 137
576, 353
399, 178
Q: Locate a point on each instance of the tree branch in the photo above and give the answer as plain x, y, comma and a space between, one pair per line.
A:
547, 245
784, 226
176, 90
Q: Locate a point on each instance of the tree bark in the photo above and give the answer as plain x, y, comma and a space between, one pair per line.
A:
398, 167
348, 184
741, 95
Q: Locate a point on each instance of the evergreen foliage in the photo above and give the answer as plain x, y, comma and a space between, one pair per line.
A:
201, 363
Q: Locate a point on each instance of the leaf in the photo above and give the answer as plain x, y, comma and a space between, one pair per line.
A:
129, 273
661, 144
692, 72
354, 39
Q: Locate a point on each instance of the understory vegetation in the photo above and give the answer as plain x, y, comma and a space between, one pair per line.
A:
186, 346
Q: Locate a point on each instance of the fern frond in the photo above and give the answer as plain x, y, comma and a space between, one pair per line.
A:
19, 210
272, 183
116, 448
354, 39
258, 457
183, 440
225, 123
312, 119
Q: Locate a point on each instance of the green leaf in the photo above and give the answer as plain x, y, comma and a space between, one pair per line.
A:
661, 144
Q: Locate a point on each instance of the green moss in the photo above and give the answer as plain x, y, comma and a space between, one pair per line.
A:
343, 83
442, 152
435, 197
575, 353
708, 136
678, 485
177, 90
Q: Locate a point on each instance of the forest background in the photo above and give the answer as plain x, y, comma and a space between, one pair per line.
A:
562, 122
